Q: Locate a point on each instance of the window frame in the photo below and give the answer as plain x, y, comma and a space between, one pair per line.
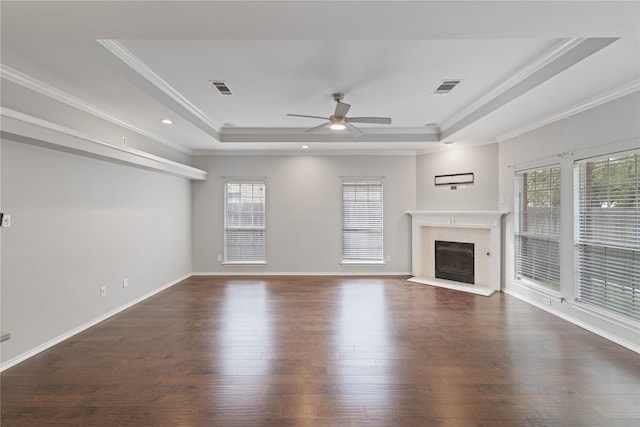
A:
346, 259
585, 215
546, 269
226, 227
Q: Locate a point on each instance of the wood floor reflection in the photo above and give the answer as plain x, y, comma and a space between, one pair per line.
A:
326, 351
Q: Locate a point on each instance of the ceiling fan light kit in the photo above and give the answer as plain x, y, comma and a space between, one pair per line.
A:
339, 120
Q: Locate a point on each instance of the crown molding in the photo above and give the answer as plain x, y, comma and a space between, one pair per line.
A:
303, 153
47, 90
133, 62
21, 127
562, 56
433, 132
619, 92
281, 135
538, 63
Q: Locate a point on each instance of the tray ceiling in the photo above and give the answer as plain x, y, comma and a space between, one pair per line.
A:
131, 64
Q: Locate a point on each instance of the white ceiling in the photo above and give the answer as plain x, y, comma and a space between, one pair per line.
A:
522, 64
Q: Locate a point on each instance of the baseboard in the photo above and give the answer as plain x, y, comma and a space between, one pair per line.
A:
336, 273
564, 316
42, 347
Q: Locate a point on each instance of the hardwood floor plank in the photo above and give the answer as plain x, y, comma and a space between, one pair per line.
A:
326, 351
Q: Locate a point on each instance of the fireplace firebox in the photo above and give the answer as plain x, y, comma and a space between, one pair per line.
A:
455, 261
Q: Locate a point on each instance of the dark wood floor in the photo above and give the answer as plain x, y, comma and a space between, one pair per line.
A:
326, 351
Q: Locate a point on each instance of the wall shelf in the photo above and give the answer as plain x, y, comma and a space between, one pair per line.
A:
20, 127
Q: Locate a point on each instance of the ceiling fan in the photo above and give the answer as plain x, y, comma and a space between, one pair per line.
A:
339, 120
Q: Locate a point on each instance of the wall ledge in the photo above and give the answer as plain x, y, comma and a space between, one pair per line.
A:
21, 127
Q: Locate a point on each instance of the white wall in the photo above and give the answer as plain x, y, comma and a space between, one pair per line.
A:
604, 129
304, 211
482, 195
79, 224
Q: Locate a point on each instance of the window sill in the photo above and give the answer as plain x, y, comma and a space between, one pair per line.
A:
540, 289
348, 262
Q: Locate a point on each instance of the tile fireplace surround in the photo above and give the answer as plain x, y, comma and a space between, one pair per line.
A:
482, 228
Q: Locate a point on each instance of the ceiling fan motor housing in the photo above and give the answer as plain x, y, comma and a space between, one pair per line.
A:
337, 122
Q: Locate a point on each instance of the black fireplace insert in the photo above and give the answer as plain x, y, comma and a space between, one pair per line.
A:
454, 261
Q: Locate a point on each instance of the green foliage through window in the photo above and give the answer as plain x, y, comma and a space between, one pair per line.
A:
608, 232
537, 237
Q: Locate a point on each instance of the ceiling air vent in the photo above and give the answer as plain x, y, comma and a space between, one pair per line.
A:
221, 86
447, 86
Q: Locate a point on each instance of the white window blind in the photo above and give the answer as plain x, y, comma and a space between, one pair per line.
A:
244, 221
537, 236
607, 232
362, 221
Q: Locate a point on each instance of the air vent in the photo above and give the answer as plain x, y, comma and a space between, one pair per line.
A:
447, 86
221, 86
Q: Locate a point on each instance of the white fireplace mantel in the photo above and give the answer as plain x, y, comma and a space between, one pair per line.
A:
483, 228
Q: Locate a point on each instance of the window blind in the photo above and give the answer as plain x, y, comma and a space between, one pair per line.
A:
244, 222
608, 232
362, 221
537, 236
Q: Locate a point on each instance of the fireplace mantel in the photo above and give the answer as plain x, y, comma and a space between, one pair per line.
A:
484, 228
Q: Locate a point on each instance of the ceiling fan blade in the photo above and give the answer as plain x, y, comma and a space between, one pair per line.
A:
322, 126
310, 117
377, 120
353, 130
341, 109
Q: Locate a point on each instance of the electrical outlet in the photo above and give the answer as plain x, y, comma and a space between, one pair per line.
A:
387, 258
125, 283
219, 258
6, 220
103, 291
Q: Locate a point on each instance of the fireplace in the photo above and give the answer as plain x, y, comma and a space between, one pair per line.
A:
454, 261
481, 229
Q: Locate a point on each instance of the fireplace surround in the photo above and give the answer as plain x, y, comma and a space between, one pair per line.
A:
481, 228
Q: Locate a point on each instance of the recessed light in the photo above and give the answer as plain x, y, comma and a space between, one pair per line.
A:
448, 143
305, 147
167, 121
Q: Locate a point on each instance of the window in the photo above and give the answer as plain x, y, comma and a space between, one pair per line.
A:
244, 222
537, 237
608, 232
362, 221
